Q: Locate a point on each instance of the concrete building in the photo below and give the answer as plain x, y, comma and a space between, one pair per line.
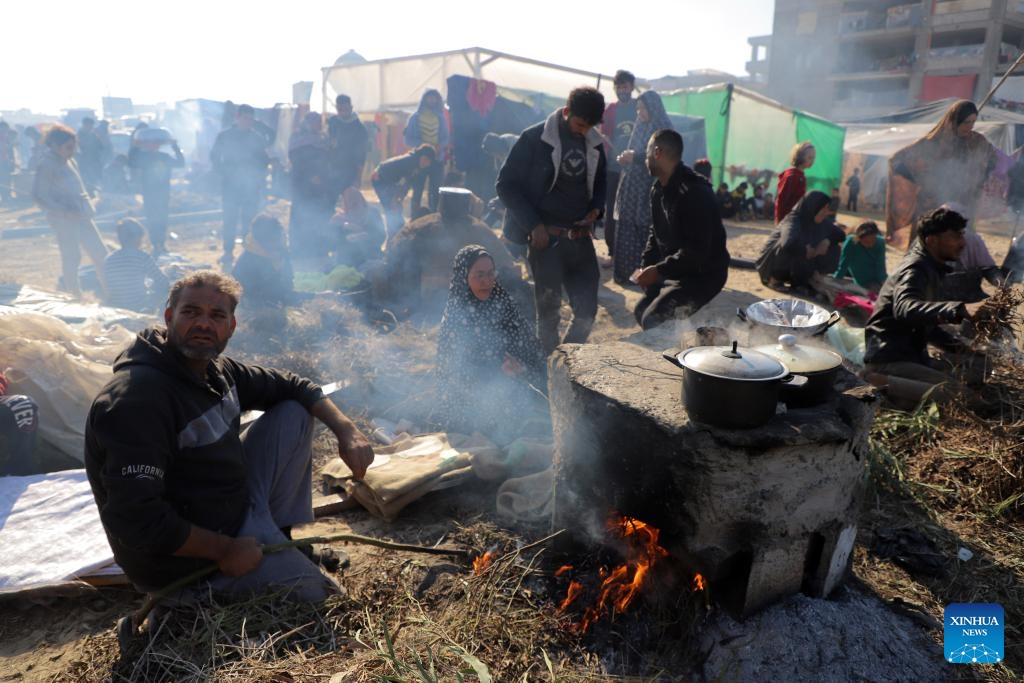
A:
846, 59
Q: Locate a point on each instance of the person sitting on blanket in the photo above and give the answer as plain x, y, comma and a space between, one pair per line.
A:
490, 366
863, 258
19, 424
805, 242
178, 488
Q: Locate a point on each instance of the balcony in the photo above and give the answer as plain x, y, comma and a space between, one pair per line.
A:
856, 65
955, 57
881, 23
949, 12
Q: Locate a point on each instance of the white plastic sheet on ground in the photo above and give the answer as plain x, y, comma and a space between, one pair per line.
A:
50, 531
62, 367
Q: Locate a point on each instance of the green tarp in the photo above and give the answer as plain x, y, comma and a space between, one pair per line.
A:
748, 133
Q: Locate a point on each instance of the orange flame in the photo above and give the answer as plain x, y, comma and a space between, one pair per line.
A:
621, 585
563, 569
483, 562
575, 588
698, 583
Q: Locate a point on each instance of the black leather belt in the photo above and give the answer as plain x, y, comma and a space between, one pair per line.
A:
571, 233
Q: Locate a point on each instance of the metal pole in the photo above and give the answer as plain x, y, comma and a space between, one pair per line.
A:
1001, 81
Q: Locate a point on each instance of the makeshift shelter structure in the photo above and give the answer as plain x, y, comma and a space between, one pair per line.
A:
750, 136
871, 142
398, 82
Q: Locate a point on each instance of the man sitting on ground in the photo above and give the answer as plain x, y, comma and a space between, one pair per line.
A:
726, 203
909, 313
685, 264
177, 487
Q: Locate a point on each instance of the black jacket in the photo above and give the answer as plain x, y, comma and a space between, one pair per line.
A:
162, 452
687, 240
530, 171
239, 155
397, 169
908, 313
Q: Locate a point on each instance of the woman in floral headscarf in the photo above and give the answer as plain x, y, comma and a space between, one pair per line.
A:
949, 164
490, 366
633, 199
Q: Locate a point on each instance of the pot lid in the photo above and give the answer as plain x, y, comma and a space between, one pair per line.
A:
732, 363
801, 358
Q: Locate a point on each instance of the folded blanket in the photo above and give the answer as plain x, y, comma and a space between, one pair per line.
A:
409, 468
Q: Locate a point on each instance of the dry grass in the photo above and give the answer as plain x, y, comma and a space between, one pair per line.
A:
953, 474
956, 476
409, 619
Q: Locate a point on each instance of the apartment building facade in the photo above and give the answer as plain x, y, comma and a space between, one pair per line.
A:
849, 59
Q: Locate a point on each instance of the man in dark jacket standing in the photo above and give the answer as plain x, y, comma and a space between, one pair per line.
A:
176, 486
152, 168
347, 142
909, 312
239, 155
685, 263
553, 186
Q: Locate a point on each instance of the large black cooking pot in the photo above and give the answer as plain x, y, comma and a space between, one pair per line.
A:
726, 387
820, 367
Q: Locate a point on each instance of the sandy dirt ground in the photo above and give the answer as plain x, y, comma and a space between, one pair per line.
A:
53, 638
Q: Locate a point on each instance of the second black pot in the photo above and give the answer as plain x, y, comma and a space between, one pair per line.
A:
729, 387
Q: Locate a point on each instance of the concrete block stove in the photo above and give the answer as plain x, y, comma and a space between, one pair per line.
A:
760, 513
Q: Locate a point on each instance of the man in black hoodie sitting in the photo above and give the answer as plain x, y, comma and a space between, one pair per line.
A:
685, 263
178, 489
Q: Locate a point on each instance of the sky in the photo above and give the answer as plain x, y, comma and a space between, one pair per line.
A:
63, 54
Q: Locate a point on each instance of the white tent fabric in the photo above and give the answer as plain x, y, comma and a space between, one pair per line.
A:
398, 83
887, 139
869, 146
50, 531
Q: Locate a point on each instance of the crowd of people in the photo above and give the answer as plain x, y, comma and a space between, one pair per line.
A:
176, 483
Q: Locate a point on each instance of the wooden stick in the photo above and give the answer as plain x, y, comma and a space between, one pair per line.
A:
1001, 81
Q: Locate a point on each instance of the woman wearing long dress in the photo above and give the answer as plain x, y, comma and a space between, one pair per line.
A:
633, 200
490, 366
949, 164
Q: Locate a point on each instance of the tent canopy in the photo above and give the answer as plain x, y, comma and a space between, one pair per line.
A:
932, 112
398, 83
749, 134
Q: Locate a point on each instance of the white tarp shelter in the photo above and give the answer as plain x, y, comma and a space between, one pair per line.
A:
869, 147
399, 82
870, 144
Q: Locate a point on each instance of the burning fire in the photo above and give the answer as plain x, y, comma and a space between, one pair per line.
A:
621, 585
698, 583
482, 562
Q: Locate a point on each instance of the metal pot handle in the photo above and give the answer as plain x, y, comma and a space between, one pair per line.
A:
741, 314
672, 356
795, 381
832, 320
